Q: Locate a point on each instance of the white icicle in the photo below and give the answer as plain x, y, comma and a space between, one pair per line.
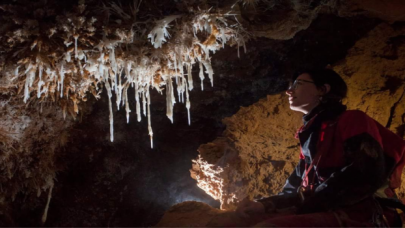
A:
68, 57
201, 76
16, 71
45, 215
118, 91
40, 82
75, 37
188, 104
179, 87
138, 106
210, 71
127, 103
62, 78
189, 76
169, 98
26, 90
107, 86
113, 61
144, 102
149, 121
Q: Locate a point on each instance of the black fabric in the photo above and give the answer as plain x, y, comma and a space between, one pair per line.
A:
294, 180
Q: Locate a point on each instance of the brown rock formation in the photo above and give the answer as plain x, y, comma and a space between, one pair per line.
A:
255, 155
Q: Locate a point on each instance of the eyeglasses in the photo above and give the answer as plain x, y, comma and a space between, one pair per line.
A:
297, 83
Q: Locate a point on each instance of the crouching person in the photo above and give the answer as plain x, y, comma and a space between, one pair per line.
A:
347, 171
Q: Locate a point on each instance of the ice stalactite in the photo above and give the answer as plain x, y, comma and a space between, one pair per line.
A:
127, 109
68, 57
188, 105
62, 77
108, 88
201, 76
210, 71
119, 88
138, 105
45, 215
76, 36
144, 102
149, 121
170, 101
40, 82
189, 76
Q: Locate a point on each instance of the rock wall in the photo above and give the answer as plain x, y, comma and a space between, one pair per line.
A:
255, 156
258, 151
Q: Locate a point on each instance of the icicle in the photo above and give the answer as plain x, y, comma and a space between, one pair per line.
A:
138, 106
45, 215
107, 86
179, 89
75, 37
223, 38
40, 82
81, 69
113, 60
68, 57
144, 102
175, 68
188, 105
127, 103
62, 77
169, 98
201, 76
189, 76
16, 71
149, 121
26, 90
28, 83
210, 71
128, 73
118, 90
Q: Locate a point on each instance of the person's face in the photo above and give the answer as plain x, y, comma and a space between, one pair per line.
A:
303, 94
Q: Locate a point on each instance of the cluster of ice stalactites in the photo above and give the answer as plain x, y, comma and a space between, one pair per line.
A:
81, 52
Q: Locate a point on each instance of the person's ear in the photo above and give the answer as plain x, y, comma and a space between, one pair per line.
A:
325, 89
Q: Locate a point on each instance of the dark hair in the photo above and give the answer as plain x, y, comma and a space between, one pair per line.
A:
338, 87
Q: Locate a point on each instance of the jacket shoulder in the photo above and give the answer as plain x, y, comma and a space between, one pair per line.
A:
355, 122
355, 114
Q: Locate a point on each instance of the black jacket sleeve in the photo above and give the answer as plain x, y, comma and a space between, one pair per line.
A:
294, 180
363, 174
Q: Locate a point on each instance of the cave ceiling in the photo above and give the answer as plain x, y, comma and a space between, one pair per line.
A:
56, 146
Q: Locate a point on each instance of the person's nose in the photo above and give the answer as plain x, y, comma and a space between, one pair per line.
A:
289, 91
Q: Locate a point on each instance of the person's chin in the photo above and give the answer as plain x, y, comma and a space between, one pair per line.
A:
294, 107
